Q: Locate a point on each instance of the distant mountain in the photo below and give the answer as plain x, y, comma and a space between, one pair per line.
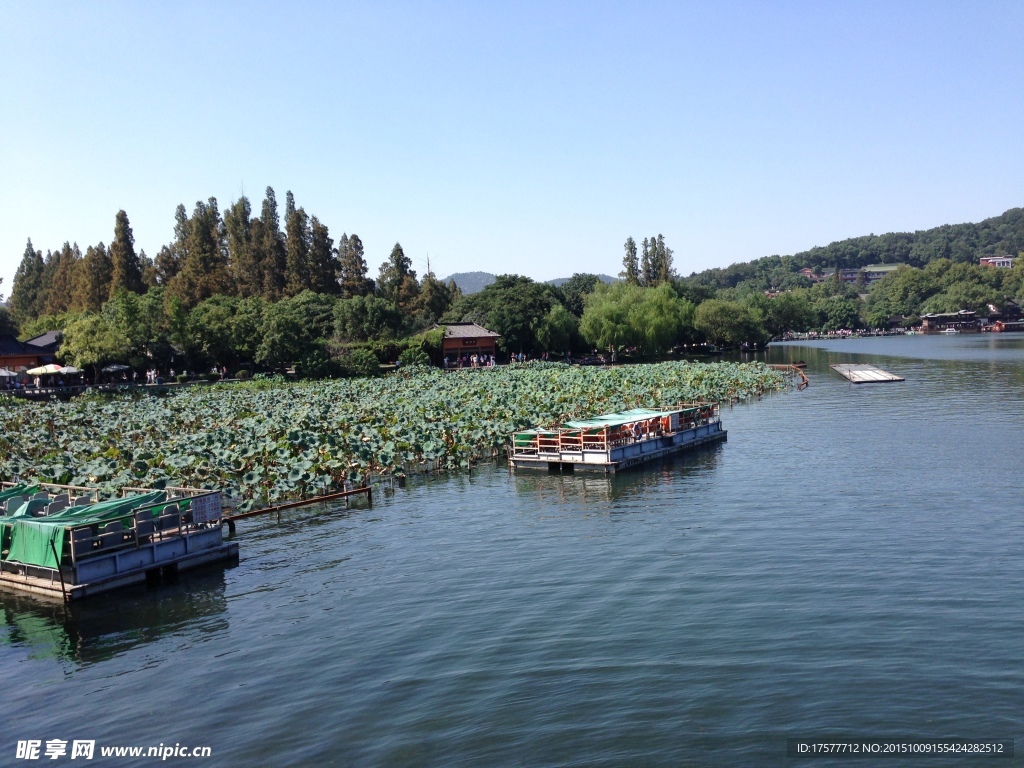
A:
558, 281
471, 282
474, 282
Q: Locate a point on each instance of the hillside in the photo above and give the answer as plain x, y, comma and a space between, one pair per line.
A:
474, 282
958, 242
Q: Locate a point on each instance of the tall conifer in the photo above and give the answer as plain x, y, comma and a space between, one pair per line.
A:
630, 264
297, 277
352, 267
92, 279
26, 290
246, 268
126, 272
323, 259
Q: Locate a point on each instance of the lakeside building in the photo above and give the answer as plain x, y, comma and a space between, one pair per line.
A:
461, 339
21, 355
1002, 262
964, 321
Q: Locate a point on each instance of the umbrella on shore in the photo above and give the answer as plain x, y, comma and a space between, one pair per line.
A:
70, 369
115, 368
5, 374
42, 370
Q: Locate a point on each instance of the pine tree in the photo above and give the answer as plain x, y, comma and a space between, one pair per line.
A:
630, 265
397, 280
204, 272
246, 268
352, 268
297, 237
268, 243
323, 259
170, 258
126, 272
663, 270
25, 292
648, 276
148, 271
92, 280
62, 286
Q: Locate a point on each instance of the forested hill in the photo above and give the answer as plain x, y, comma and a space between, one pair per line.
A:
474, 282
1000, 235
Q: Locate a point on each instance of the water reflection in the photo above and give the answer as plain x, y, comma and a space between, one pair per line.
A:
105, 626
591, 487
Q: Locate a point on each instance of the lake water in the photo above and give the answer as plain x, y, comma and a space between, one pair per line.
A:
849, 562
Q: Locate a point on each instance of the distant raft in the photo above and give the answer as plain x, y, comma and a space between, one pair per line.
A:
864, 374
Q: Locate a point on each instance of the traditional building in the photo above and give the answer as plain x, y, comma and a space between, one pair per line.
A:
1003, 262
466, 339
19, 355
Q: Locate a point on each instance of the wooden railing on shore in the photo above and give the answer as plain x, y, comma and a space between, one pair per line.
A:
793, 370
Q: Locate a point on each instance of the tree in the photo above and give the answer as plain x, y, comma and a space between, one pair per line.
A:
837, 313
623, 315
170, 258
245, 267
512, 305
352, 267
397, 280
204, 272
92, 341
577, 288
92, 280
630, 265
648, 273
27, 288
557, 330
126, 272
661, 261
295, 328
268, 243
296, 248
365, 318
435, 298
322, 260
727, 323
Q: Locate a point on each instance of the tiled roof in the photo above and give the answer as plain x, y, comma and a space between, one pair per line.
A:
468, 331
48, 339
9, 345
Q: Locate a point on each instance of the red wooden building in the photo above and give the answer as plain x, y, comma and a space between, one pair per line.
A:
467, 339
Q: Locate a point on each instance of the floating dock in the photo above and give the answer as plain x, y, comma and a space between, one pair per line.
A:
56, 545
864, 374
617, 441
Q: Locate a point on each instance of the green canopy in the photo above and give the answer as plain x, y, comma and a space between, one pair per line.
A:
622, 417
32, 540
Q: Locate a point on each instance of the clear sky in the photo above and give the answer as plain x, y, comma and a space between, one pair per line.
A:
513, 137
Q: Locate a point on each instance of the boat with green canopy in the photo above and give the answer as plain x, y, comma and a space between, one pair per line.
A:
55, 544
617, 441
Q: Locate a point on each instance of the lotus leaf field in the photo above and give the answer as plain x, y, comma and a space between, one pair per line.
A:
268, 441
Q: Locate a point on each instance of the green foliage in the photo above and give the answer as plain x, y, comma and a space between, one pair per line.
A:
94, 340
365, 318
576, 289
410, 357
126, 272
623, 315
728, 323
267, 440
359, 363
243, 374
558, 330
294, 328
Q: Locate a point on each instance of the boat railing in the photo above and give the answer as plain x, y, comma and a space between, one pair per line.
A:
574, 440
141, 526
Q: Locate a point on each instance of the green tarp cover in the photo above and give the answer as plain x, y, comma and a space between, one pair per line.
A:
18, 490
31, 537
620, 418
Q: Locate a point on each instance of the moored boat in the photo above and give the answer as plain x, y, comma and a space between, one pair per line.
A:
65, 543
617, 441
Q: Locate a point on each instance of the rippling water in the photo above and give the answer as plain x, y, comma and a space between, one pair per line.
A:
850, 561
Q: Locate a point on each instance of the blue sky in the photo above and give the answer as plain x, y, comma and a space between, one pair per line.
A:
513, 137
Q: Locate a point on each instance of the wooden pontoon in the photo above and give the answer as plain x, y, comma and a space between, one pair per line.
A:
617, 441
864, 374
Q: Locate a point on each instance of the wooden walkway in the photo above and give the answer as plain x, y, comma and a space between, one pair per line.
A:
864, 374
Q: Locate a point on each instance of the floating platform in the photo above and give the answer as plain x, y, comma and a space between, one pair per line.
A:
864, 374
617, 441
54, 546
